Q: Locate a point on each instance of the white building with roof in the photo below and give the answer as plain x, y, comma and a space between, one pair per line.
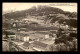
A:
22, 37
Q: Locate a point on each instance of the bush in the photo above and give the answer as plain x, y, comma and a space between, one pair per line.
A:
73, 35
69, 42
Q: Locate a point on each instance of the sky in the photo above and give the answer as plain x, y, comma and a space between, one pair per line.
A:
71, 7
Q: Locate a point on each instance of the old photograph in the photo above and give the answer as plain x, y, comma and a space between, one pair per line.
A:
40, 27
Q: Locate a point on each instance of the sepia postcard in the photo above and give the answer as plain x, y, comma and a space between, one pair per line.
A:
39, 27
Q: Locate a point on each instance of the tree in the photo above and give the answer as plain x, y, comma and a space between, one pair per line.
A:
72, 23
6, 33
53, 47
73, 35
69, 42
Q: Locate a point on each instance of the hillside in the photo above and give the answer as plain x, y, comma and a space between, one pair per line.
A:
40, 10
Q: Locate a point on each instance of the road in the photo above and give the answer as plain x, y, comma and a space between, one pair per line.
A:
5, 46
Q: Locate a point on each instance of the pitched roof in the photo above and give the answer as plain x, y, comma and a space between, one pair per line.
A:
22, 34
43, 32
53, 32
26, 44
40, 44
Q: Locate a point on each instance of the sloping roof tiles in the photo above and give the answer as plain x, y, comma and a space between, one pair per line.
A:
40, 44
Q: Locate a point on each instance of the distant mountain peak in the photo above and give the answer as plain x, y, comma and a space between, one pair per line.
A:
38, 10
